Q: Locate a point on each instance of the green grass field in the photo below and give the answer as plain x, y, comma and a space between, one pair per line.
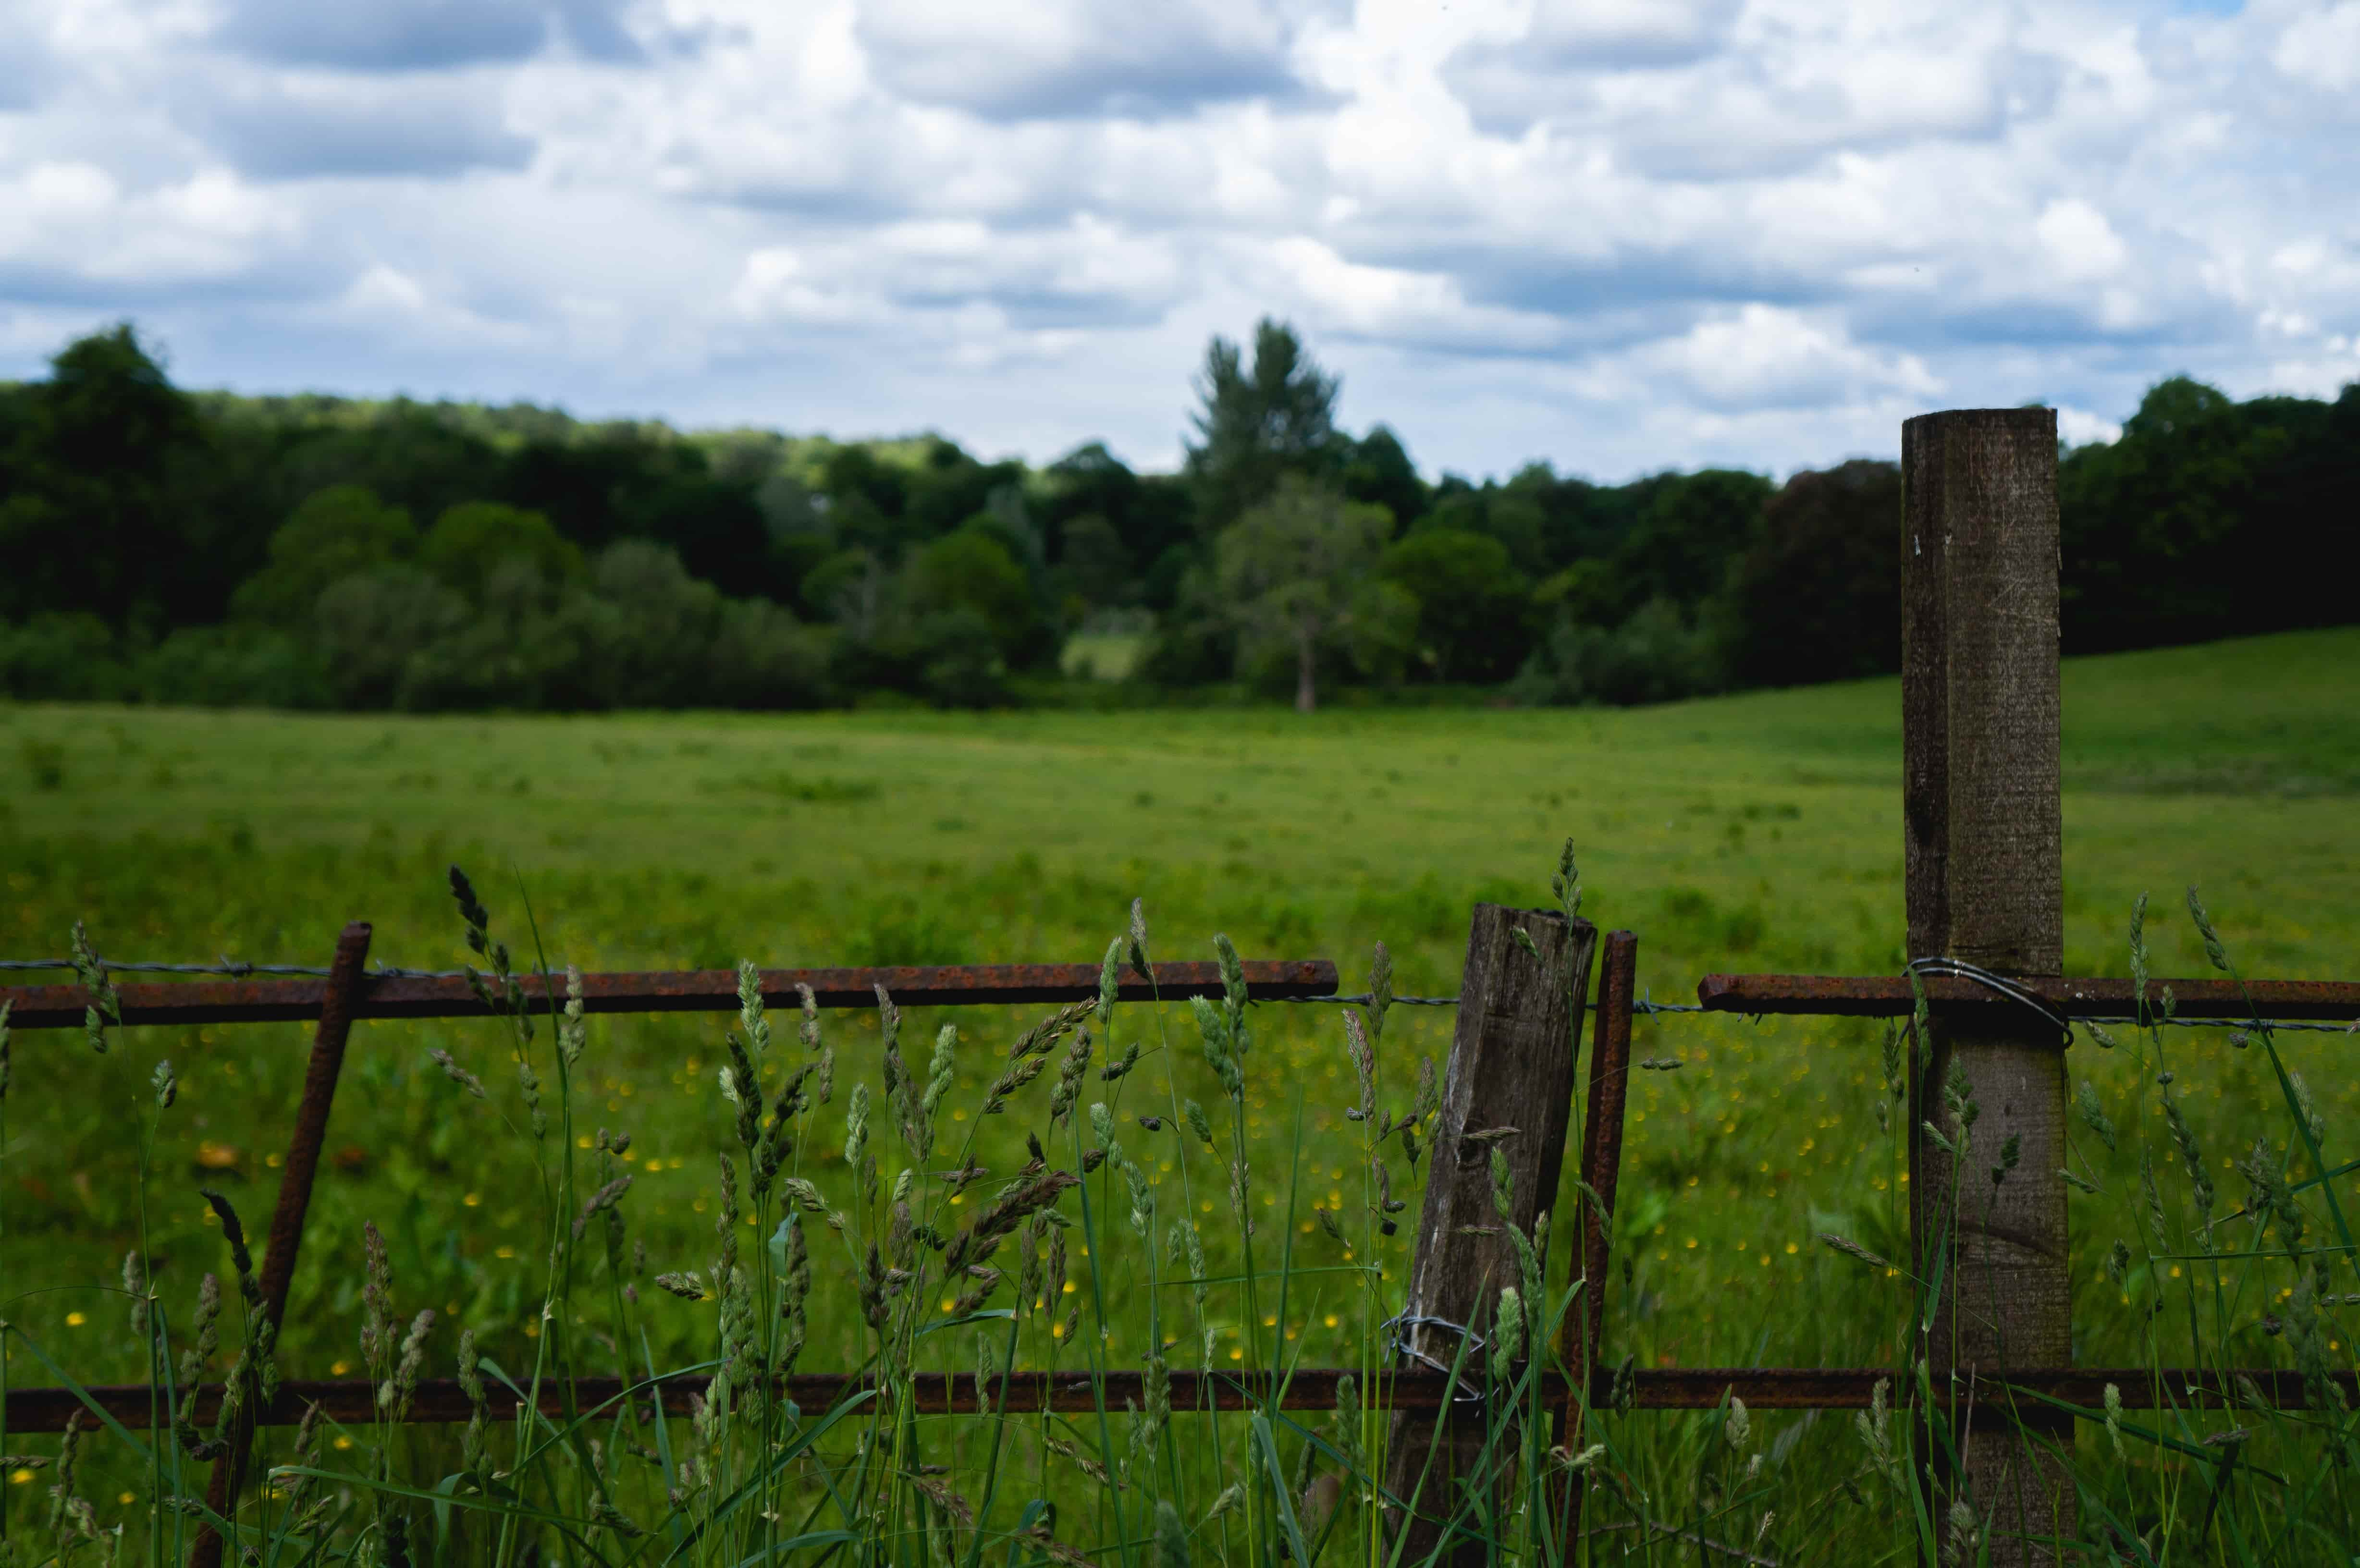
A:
1753, 832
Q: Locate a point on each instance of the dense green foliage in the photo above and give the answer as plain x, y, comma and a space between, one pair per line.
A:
316, 552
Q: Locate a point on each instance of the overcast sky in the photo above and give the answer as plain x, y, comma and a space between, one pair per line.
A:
1616, 234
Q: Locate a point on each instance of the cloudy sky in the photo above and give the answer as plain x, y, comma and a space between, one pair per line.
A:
1617, 235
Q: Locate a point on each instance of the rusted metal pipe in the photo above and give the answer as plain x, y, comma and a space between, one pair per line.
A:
1581, 1337
440, 1401
688, 991
294, 1202
1889, 996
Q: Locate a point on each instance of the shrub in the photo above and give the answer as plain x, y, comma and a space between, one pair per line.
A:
223, 667
1657, 656
371, 624
62, 657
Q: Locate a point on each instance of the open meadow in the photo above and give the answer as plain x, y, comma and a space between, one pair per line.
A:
1755, 832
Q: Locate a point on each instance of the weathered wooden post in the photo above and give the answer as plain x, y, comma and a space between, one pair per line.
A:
1979, 698
1509, 1084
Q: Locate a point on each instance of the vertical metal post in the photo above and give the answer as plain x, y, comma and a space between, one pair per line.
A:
344, 979
1581, 1339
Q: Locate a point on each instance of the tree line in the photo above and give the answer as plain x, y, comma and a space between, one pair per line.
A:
311, 551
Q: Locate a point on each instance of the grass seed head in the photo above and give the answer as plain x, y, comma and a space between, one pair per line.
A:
376, 1296
2312, 1122
1198, 1123
1852, 1248
2192, 1156
2213, 949
234, 1232
1068, 1086
205, 1331
2155, 1219
750, 1007
2093, 1114
603, 1199
573, 1032
795, 1292
1109, 983
1567, 883
106, 1005
687, 1286
1507, 1332
477, 919
456, 1073
135, 1285
2140, 957
1213, 1027
856, 1125
1364, 1065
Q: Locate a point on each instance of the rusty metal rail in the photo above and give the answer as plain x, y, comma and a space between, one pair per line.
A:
438, 1402
1889, 996
690, 991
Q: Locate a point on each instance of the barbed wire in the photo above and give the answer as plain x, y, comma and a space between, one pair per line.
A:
1363, 998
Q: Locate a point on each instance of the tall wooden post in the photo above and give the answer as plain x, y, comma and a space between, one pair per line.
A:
1509, 1085
1979, 697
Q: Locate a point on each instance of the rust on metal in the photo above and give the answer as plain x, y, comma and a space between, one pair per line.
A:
1602, 1171
345, 974
1852, 1388
686, 991
440, 1401
1601, 1140
1886, 997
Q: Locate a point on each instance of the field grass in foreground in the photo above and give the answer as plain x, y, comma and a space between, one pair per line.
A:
1754, 832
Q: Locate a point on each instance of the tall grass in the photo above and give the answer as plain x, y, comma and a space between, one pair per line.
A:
1104, 1203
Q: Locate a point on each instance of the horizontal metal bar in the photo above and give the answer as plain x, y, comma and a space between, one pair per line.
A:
441, 1401
1888, 996
687, 991
1852, 1388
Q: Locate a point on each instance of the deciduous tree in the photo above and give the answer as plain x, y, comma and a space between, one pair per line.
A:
1299, 572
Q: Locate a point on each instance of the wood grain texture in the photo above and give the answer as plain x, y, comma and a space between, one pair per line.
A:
1984, 828
1512, 1065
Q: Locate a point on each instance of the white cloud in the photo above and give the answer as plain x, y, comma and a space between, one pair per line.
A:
1762, 356
75, 229
2322, 48
2081, 246
1060, 58
1616, 233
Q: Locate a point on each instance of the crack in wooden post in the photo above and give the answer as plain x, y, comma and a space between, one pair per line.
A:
1511, 1060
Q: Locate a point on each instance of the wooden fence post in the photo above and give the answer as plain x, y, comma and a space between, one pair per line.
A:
1512, 1062
1979, 696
